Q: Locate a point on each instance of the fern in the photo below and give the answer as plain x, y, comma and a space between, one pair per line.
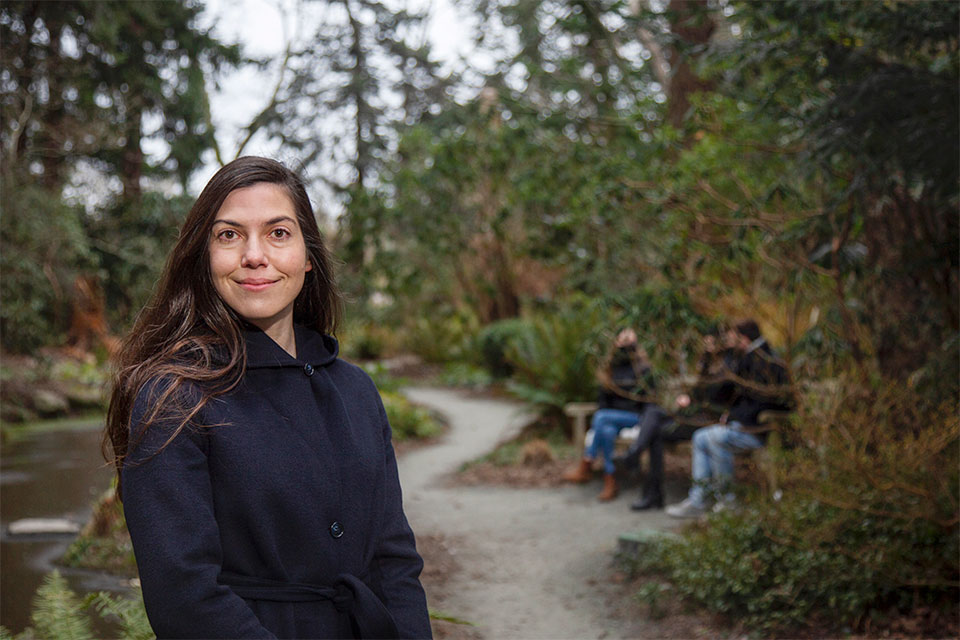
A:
554, 360
129, 612
58, 614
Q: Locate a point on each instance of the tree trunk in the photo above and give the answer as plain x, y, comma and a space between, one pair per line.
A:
692, 26
131, 164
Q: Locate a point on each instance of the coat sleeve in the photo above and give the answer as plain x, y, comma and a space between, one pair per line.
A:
168, 504
396, 554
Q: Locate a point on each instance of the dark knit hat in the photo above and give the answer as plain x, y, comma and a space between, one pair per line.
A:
749, 329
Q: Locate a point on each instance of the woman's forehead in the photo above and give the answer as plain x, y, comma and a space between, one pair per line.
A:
259, 203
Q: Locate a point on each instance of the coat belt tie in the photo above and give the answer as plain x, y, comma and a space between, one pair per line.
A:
348, 593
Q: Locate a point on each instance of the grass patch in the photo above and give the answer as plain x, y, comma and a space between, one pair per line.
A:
13, 432
446, 617
408, 421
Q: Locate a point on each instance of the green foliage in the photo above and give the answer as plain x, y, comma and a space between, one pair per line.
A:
85, 75
464, 374
58, 613
42, 249
652, 595
385, 381
494, 341
408, 421
439, 336
128, 612
446, 617
555, 360
104, 544
366, 339
867, 94
868, 520
131, 243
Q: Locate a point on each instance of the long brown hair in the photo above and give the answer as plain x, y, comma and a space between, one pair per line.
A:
187, 335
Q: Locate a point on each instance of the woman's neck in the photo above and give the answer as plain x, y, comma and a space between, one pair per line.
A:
283, 334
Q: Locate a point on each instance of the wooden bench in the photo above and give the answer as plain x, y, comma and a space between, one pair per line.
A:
770, 421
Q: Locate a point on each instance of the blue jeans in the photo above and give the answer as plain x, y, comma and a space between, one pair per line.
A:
606, 425
713, 450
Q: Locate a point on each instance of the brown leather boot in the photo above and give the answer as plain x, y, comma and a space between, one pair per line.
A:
581, 473
610, 488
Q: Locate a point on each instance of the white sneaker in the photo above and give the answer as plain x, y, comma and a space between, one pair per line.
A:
724, 505
685, 509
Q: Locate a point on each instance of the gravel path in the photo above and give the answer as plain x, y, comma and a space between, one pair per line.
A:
534, 563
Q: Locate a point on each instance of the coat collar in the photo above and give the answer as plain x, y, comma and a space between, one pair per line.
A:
312, 348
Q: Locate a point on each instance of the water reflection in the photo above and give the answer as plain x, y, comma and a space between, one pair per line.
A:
46, 474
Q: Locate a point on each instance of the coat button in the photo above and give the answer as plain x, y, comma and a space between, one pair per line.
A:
336, 530
308, 369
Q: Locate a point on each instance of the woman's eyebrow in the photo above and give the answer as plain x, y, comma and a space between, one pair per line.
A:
267, 223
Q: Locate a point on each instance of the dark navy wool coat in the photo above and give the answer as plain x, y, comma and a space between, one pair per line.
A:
294, 486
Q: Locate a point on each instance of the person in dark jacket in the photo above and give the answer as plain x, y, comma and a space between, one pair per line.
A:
754, 380
657, 426
626, 389
256, 468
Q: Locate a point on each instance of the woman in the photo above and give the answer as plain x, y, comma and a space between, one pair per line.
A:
626, 382
257, 473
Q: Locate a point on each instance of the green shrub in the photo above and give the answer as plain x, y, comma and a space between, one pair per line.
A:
555, 360
59, 614
868, 521
493, 343
104, 544
366, 340
440, 335
407, 420
464, 374
382, 377
42, 250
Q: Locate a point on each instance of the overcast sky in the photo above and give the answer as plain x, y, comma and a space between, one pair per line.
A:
260, 26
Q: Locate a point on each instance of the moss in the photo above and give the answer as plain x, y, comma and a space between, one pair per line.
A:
104, 543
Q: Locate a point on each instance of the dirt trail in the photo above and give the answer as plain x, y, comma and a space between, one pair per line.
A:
534, 563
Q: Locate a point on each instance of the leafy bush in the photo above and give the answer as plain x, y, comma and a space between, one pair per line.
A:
366, 340
104, 544
555, 360
59, 614
407, 420
868, 521
440, 335
463, 374
42, 250
381, 376
493, 343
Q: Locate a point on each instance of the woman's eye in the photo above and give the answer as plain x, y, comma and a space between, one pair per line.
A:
279, 234
227, 234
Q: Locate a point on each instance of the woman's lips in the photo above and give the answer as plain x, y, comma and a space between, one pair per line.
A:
256, 284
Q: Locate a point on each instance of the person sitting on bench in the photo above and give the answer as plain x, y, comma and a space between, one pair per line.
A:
658, 427
755, 381
626, 383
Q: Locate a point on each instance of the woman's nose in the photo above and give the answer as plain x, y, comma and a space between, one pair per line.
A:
253, 254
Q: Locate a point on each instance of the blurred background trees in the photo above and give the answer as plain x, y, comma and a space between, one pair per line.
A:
83, 86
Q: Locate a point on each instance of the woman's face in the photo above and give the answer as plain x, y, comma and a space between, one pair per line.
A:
258, 258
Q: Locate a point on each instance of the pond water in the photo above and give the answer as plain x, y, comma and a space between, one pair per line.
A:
47, 473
